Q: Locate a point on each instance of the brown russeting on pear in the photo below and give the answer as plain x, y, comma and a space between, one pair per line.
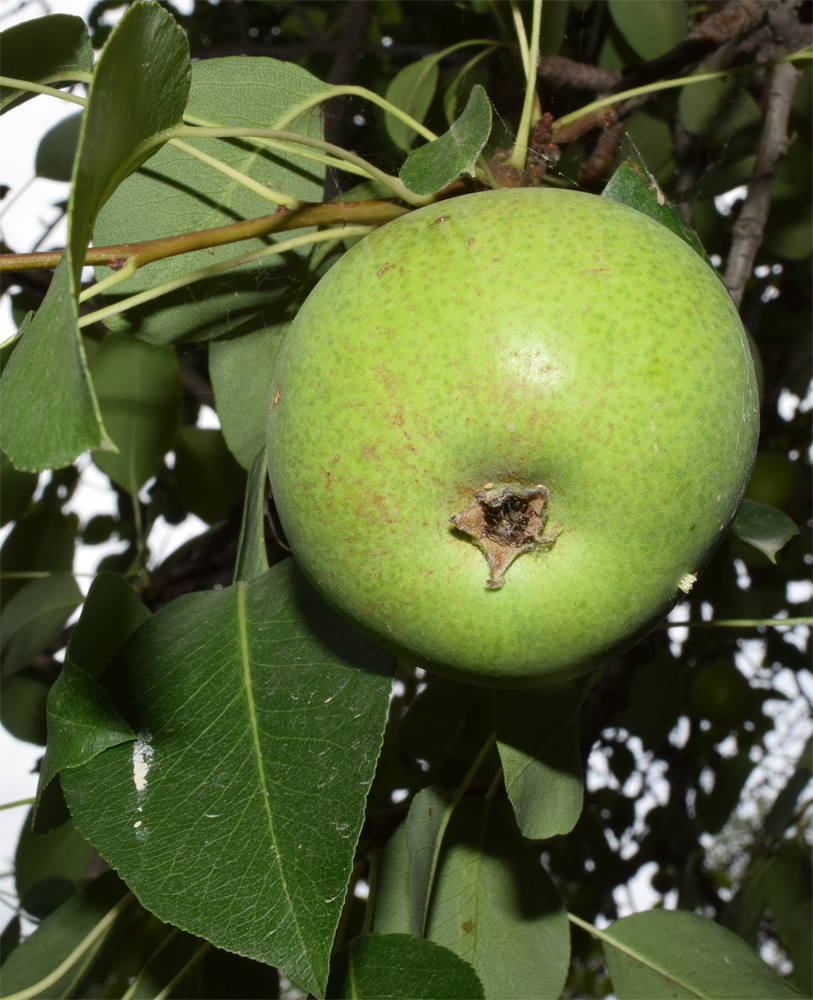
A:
504, 523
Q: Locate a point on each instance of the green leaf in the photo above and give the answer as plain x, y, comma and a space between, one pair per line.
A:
411, 90
61, 935
207, 476
49, 50
57, 149
16, 490
764, 527
178, 194
431, 167
82, 722
34, 617
241, 369
424, 825
50, 414
235, 815
653, 32
401, 967
22, 706
252, 559
631, 185
493, 904
138, 387
435, 718
111, 614
538, 741
674, 953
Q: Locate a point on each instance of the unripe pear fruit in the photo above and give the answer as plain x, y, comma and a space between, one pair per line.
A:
506, 432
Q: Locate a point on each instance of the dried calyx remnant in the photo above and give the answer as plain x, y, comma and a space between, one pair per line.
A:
504, 523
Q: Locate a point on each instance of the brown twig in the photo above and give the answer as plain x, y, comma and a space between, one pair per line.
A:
283, 220
748, 229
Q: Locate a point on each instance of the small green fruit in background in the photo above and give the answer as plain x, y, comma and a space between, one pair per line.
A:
507, 429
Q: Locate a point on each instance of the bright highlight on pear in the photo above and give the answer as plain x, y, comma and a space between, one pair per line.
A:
506, 430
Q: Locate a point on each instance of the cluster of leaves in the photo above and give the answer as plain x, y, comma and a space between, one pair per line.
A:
243, 760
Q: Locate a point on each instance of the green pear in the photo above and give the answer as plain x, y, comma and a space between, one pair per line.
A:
507, 431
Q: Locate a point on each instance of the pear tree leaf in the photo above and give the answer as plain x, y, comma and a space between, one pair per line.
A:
632, 185
402, 967
35, 616
235, 814
241, 370
411, 90
50, 50
179, 194
111, 614
139, 390
431, 167
663, 954
50, 413
424, 825
57, 149
59, 936
16, 490
717, 109
62, 853
435, 718
538, 742
665, 24
252, 559
42, 541
492, 903
764, 527
207, 476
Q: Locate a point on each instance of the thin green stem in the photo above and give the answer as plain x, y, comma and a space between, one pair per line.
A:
19, 802
520, 151
369, 95
393, 183
40, 88
522, 38
738, 623
207, 272
447, 815
84, 946
125, 272
682, 81
275, 197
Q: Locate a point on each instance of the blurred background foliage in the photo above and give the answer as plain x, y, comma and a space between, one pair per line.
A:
697, 742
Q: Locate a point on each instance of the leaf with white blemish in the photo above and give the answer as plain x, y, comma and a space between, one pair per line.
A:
235, 813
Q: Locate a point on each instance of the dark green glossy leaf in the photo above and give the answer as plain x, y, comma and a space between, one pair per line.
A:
235, 814
631, 185
241, 369
492, 903
34, 617
252, 559
431, 167
57, 149
401, 967
538, 741
50, 414
674, 953
176, 194
59, 936
49, 50
435, 718
139, 392
411, 90
424, 826
764, 527
652, 30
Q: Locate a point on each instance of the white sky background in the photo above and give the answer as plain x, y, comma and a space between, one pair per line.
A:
24, 215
